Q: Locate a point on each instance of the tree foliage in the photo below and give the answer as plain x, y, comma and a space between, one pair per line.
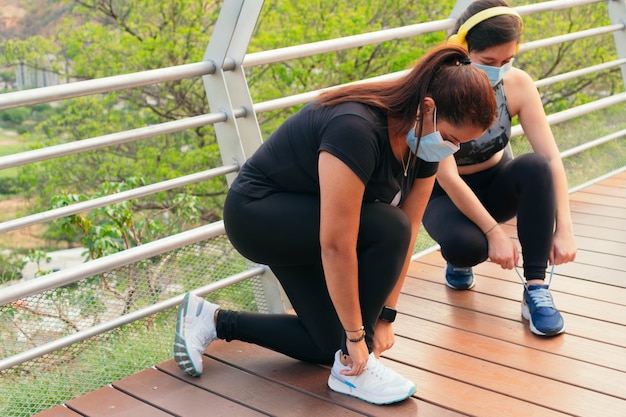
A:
102, 38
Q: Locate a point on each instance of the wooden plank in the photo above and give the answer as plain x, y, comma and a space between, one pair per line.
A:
58, 411
568, 345
597, 219
614, 181
602, 189
576, 322
593, 244
177, 397
610, 292
613, 235
611, 212
603, 259
604, 201
307, 377
593, 273
262, 394
108, 401
469, 399
514, 356
431, 387
432, 267
528, 388
511, 290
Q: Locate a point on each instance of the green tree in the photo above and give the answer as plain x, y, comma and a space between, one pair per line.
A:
105, 37
568, 56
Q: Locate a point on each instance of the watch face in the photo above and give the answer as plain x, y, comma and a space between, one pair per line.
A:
388, 314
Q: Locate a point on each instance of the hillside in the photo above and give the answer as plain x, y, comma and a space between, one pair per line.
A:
26, 18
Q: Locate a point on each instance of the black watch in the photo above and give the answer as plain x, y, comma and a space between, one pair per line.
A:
388, 314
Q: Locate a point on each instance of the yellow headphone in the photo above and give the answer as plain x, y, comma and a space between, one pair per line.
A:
459, 37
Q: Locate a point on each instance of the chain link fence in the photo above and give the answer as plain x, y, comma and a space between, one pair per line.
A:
91, 364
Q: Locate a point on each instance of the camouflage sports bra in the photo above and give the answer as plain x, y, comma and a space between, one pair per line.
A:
495, 138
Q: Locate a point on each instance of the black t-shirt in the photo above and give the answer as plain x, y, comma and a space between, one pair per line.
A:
353, 132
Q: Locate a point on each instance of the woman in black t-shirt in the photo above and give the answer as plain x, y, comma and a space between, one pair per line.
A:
332, 203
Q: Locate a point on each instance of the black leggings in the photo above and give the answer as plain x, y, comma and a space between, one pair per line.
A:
522, 186
282, 231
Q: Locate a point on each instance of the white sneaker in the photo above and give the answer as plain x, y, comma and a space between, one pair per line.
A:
377, 384
195, 329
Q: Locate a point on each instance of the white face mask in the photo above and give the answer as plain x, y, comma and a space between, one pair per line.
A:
432, 147
495, 74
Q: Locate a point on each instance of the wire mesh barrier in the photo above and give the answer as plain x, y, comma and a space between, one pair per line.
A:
99, 360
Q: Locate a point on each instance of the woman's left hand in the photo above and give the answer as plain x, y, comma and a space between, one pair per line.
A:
383, 337
563, 248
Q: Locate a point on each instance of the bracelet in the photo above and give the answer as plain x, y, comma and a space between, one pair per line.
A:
357, 330
358, 339
491, 228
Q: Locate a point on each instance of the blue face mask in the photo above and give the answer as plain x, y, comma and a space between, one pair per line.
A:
432, 146
495, 74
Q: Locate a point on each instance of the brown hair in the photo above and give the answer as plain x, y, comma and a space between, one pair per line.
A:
493, 31
462, 92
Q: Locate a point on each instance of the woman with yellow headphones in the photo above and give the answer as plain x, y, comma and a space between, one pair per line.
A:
482, 186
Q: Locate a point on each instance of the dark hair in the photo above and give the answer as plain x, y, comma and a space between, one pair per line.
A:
462, 93
493, 31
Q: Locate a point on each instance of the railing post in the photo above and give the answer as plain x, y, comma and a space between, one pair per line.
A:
227, 89
617, 14
458, 8
227, 92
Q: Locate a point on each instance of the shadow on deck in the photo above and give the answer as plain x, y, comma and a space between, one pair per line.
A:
469, 352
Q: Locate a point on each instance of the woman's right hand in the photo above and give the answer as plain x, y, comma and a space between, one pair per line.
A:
359, 355
502, 249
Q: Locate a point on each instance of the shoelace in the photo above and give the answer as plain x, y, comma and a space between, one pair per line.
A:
541, 296
377, 369
522, 278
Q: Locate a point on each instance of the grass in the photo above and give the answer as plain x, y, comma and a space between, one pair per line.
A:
87, 366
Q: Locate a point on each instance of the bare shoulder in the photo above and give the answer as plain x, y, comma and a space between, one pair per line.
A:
520, 90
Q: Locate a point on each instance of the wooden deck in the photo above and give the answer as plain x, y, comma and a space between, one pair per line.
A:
469, 352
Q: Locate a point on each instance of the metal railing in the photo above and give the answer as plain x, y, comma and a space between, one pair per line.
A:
234, 117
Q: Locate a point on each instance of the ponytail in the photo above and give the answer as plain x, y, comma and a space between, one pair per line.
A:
462, 92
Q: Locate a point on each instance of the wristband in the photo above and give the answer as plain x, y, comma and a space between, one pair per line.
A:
388, 314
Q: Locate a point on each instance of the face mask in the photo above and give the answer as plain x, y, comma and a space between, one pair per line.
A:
495, 74
432, 147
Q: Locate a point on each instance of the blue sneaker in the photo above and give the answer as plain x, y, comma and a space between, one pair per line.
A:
459, 278
539, 309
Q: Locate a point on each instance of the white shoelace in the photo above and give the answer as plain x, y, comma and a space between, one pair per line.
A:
522, 278
541, 296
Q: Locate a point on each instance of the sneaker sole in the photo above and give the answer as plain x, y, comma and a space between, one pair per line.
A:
342, 388
526, 315
461, 288
181, 355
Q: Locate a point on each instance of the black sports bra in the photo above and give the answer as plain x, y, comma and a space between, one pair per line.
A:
493, 140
